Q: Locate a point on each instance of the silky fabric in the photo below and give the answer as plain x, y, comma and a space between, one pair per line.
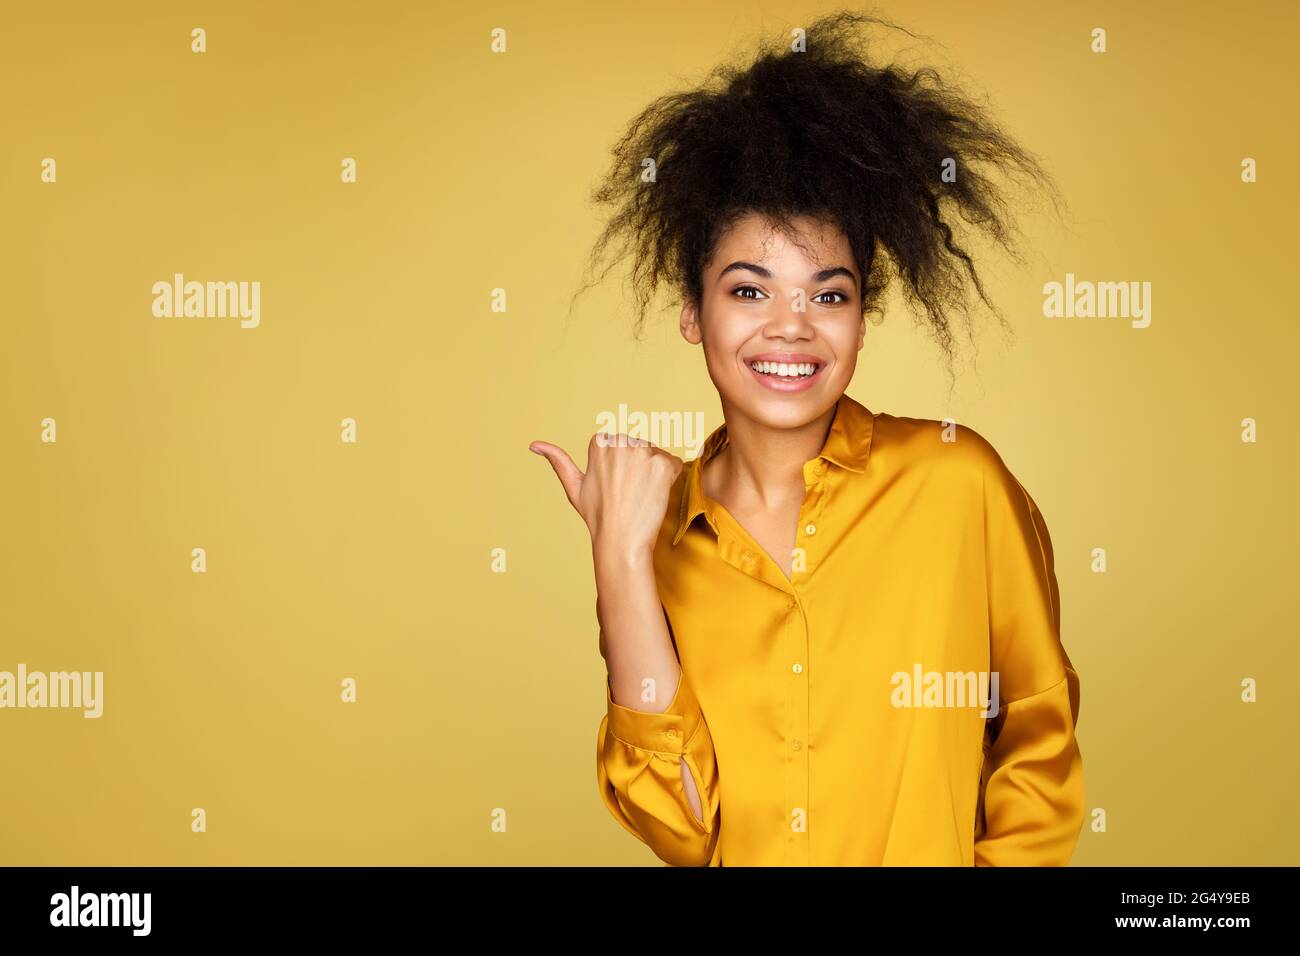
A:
917, 551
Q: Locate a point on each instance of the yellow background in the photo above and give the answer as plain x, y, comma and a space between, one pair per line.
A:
326, 560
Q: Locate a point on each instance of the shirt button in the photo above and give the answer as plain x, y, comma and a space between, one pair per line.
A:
671, 734
798, 668
795, 744
810, 529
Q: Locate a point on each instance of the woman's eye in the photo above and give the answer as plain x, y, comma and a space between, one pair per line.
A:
748, 288
842, 296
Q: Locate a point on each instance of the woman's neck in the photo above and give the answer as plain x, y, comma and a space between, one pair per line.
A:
760, 464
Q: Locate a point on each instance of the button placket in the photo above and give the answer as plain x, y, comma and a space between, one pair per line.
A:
796, 741
810, 525
798, 750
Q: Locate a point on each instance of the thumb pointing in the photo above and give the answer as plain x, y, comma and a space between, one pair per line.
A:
568, 473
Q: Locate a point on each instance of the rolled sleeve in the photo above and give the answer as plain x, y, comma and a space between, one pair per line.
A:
1032, 800
639, 757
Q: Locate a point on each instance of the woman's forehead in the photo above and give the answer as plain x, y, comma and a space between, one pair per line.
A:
805, 244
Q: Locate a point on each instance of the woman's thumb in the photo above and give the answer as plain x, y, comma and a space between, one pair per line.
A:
568, 473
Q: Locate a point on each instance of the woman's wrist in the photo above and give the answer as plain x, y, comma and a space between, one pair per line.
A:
616, 553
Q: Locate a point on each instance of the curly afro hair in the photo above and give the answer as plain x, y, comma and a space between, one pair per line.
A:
893, 158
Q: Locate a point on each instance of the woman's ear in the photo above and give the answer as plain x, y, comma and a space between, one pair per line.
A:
690, 324
862, 333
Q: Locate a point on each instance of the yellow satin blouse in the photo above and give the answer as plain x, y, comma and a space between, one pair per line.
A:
837, 717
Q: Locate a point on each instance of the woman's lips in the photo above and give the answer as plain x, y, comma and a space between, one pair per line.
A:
791, 383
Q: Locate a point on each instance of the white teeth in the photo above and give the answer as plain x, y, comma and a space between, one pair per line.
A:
789, 370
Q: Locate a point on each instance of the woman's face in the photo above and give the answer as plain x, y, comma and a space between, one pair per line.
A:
766, 302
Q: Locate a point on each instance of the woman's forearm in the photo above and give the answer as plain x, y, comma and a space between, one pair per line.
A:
637, 645
635, 641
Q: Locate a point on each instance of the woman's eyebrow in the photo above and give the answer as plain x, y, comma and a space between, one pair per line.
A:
745, 265
834, 271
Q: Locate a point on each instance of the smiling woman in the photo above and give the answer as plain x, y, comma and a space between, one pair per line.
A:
783, 310
898, 162
750, 714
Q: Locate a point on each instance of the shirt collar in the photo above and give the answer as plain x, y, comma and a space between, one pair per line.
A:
848, 444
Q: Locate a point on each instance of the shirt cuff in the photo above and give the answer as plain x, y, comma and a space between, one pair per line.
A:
666, 732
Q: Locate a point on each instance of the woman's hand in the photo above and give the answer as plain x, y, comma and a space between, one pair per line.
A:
624, 493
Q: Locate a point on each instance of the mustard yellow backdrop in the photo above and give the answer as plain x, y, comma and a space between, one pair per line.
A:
434, 561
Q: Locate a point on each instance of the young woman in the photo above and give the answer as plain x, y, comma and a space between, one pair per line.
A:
833, 638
